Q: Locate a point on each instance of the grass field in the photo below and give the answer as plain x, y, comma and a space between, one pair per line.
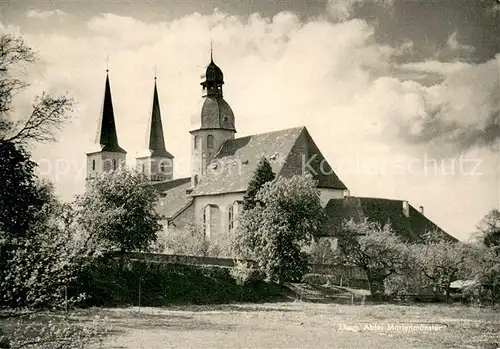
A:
303, 325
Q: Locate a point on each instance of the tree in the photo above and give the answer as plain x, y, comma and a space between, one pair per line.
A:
20, 198
489, 229
39, 255
377, 250
287, 215
118, 210
487, 274
189, 241
35, 274
263, 174
442, 262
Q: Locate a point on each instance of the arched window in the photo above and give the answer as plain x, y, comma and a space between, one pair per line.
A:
230, 218
93, 165
211, 220
114, 164
143, 168
196, 140
195, 179
163, 167
210, 142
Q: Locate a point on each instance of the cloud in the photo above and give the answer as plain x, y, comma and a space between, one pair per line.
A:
436, 67
341, 10
44, 15
279, 72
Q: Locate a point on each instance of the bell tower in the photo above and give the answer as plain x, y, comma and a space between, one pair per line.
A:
217, 122
109, 156
158, 163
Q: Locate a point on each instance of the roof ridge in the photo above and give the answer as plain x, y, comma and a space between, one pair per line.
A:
269, 132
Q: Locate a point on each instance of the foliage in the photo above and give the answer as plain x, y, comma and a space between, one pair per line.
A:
243, 274
187, 241
39, 254
36, 271
20, 197
489, 229
442, 262
288, 215
49, 113
375, 249
162, 284
320, 251
118, 210
486, 271
263, 174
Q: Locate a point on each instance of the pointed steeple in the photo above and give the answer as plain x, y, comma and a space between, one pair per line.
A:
106, 133
156, 137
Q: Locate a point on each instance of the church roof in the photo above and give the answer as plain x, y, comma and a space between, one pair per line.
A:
173, 196
106, 132
382, 211
216, 113
287, 151
156, 138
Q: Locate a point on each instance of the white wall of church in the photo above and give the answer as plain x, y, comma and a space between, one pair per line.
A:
100, 162
223, 201
328, 193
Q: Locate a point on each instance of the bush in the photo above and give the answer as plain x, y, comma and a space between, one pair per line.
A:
243, 274
318, 279
107, 283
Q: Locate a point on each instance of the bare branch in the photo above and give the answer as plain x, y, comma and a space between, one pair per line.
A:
48, 116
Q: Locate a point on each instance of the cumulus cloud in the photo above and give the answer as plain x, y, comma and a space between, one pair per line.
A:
39, 14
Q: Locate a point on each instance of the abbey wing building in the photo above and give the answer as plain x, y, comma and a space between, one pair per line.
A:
222, 166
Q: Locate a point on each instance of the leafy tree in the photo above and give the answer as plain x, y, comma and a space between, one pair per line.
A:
287, 215
442, 262
39, 254
487, 274
489, 229
189, 241
375, 249
118, 210
263, 174
20, 198
34, 278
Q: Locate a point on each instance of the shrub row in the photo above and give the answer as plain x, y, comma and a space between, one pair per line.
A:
108, 282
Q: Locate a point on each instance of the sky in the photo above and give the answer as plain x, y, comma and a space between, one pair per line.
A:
402, 96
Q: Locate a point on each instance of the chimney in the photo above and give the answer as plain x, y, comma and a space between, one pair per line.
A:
421, 209
406, 208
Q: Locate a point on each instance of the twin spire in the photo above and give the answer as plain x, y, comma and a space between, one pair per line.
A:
107, 136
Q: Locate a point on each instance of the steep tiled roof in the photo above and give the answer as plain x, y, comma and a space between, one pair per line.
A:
173, 196
156, 137
410, 228
106, 133
287, 151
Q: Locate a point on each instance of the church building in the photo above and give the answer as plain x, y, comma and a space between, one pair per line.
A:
223, 164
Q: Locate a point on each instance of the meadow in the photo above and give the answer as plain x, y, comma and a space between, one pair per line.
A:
301, 325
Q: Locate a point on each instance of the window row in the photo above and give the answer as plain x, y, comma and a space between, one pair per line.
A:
210, 142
